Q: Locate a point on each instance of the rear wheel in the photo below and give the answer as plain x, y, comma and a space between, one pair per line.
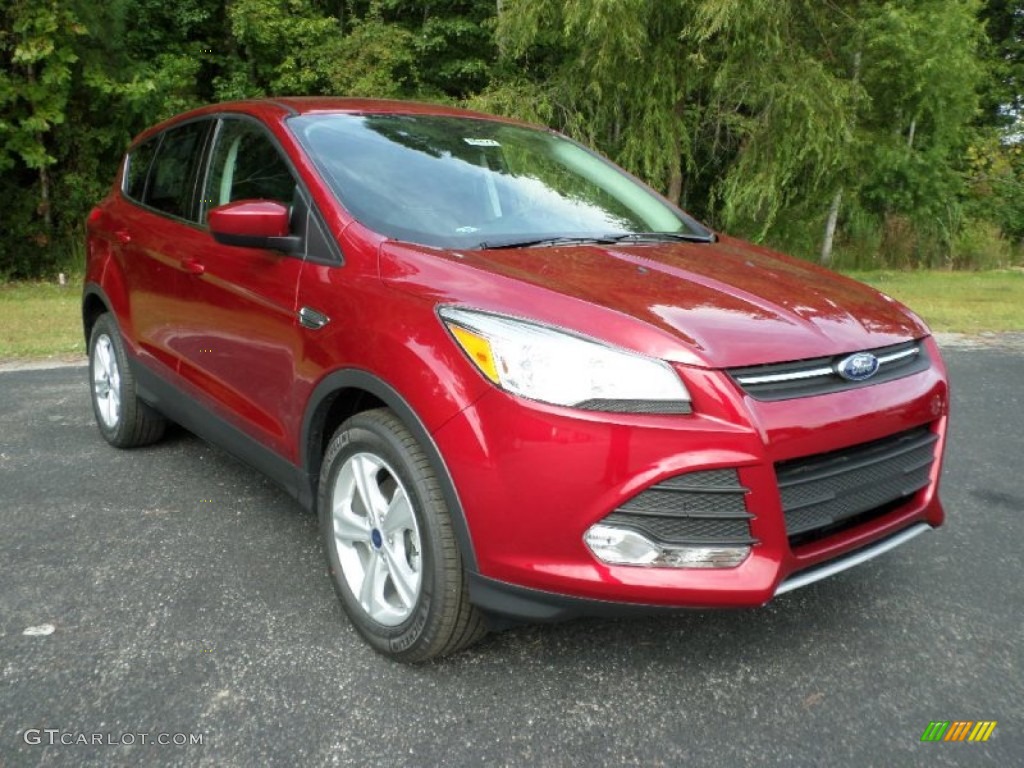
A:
392, 552
123, 419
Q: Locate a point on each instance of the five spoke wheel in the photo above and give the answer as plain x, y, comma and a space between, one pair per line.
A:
124, 420
390, 541
377, 538
106, 382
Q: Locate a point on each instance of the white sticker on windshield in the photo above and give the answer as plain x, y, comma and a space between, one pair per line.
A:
481, 142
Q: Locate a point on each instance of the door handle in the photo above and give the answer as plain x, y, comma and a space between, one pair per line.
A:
310, 318
193, 266
123, 236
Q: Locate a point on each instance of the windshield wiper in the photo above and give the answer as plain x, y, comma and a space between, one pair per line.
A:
608, 239
538, 242
659, 237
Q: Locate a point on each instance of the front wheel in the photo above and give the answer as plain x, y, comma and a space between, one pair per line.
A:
392, 552
123, 419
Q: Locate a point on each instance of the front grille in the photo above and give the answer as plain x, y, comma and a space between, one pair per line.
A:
704, 508
820, 376
825, 493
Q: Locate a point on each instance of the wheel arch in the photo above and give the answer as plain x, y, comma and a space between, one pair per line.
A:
94, 304
344, 393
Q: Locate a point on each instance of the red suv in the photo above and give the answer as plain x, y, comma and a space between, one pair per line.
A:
514, 382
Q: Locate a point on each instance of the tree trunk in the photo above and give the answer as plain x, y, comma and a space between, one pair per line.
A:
675, 183
910, 135
675, 179
833, 210
830, 228
44, 197
44, 173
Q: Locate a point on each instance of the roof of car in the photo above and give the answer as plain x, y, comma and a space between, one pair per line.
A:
276, 109
326, 104
320, 105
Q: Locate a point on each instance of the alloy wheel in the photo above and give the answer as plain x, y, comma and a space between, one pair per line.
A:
377, 538
106, 382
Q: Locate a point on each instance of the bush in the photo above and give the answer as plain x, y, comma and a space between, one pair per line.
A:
981, 245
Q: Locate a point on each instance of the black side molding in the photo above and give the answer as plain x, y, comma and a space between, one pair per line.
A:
208, 425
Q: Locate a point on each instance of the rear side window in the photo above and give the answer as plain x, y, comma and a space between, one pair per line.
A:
172, 178
139, 162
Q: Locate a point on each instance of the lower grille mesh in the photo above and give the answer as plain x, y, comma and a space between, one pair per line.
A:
823, 491
700, 508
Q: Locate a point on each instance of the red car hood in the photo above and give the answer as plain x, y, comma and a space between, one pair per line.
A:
730, 302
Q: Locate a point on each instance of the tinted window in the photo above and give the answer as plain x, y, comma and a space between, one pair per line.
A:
137, 171
246, 165
172, 178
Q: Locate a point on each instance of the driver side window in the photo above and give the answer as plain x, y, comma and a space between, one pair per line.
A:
246, 165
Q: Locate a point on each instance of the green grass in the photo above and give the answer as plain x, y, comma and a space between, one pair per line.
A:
962, 302
39, 320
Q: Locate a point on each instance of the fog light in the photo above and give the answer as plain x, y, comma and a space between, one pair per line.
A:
622, 546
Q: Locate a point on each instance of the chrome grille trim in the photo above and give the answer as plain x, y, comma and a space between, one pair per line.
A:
894, 356
820, 375
773, 378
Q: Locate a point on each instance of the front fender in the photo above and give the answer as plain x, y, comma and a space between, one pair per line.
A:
358, 379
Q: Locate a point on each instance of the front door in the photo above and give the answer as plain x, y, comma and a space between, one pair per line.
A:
239, 346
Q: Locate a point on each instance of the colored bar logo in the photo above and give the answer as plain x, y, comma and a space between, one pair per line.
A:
958, 730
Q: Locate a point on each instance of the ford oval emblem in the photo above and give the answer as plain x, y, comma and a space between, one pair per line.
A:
858, 367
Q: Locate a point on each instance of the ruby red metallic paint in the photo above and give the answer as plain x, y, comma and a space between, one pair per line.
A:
260, 218
531, 477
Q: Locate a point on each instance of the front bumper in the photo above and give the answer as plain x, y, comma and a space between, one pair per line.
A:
533, 478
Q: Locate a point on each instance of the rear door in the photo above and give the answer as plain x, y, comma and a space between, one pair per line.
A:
157, 236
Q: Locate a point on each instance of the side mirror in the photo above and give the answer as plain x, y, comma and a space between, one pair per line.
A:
253, 224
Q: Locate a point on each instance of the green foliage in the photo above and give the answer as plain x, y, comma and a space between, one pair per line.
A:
995, 178
37, 50
375, 59
614, 75
782, 91
753, 114
278, 45
1003, 91
450, 40
913, 134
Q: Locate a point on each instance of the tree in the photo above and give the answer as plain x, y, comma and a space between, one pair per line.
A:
761, 114
1003, 99
776, 119
37, 48
735, 103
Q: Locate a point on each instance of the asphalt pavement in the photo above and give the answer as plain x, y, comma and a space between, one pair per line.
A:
172, 594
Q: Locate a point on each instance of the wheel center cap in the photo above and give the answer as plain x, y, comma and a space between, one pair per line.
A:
376, 538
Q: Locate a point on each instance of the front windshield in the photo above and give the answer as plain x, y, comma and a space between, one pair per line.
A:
469, 183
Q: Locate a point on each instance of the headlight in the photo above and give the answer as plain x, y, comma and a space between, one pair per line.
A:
558, 367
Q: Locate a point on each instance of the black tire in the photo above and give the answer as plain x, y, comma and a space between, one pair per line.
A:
131, 423
440, 620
